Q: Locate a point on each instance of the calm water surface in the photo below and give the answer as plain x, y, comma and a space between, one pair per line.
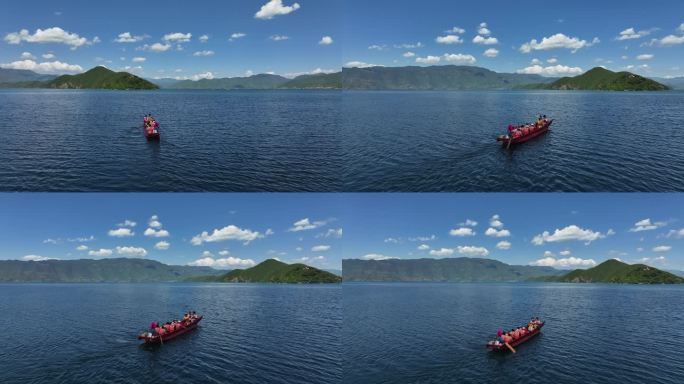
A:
435, 333
445, 141
84, 333
55, 140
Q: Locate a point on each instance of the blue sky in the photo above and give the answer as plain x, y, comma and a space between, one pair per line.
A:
647, 38
561, 230
287, 37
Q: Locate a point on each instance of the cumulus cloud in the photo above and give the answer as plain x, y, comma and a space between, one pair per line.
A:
121, 232
485, 40
569, 262
54, 35
504, 245
652, 260
557, 41
423, 238
203, 53
645, 56
668, 41
442, 252
428, 60
409, 54
279, 37
127, 37
471, 251
204, 38
552, 71
483, 30
320, 248
236, 36
82, 248
230, 232
377, 256
423, 247
469, 223
449, 39
227, 263
52, 67
662, 248
128, 223
360, 64
676, 233
151, 232
457, 30
491, 52
462, 232
460, 58
275, 8
131, 251
177, 37
409, 45
27, 56
493, 232
332, 233
326, 40
139, 60
630, 33
36, 258
162, 245
569, 233
102, 252
306, 225
495, 222
647, 225
156, 47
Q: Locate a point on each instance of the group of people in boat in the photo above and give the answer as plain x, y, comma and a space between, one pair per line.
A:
525, 129
516, 333
151, 125
158, 329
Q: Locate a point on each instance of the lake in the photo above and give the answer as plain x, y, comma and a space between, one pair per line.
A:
62, 140
436, 333
445, 141
86, 333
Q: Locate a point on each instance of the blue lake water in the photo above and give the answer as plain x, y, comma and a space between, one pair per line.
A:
445, 141
86, 333
211, 141
436, 333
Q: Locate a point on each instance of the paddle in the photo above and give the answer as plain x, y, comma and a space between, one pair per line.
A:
510, 140
509, 347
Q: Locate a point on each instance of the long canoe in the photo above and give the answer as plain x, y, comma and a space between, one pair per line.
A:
515, 343
156, 339
508, 141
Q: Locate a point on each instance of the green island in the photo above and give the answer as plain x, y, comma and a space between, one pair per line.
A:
274, 271
101, 78
601, 79
477, 270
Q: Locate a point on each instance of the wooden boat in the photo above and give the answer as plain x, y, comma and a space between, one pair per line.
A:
524, 134
151, 133
515, 343
150, 338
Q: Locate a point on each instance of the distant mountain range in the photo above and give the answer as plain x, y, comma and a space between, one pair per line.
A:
614, 271
21, 75
96, 78
97, 271
257, 82
673, 82
601, 79
274, 271
456, 270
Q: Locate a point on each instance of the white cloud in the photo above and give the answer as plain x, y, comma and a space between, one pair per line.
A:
326, 40
647, 225
36, 258
495, 221
555, 70
462, 232
306, 224
377, 47
652, 260
565, 253
224, 252
162, 245
493, 232
483, 30
630, 33
53, 35
128, 223
227, 263
645, 57
491, 52
52, 67
177, 37
156, 47
459, 58
102, 252
360, 64
569, 262
230, 232
442, 252
457, 30
320, 248
662, 248
203, 53
423, 238
469, 223
668, 41
391, 240
333, 233
139, 60
552, 60
121, 232
409, 45
681, 28
81, 239
676, 233
48, 56
127, 37
423, 247
409, 54
485, 40
204, 38
571, 232
428, 60
279, 37
557, 41
472, 251
449, 39
199, 76
27, 56
377, 256
503, 245
274, 8
150, 232
236, 36
82, 248
131, 251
